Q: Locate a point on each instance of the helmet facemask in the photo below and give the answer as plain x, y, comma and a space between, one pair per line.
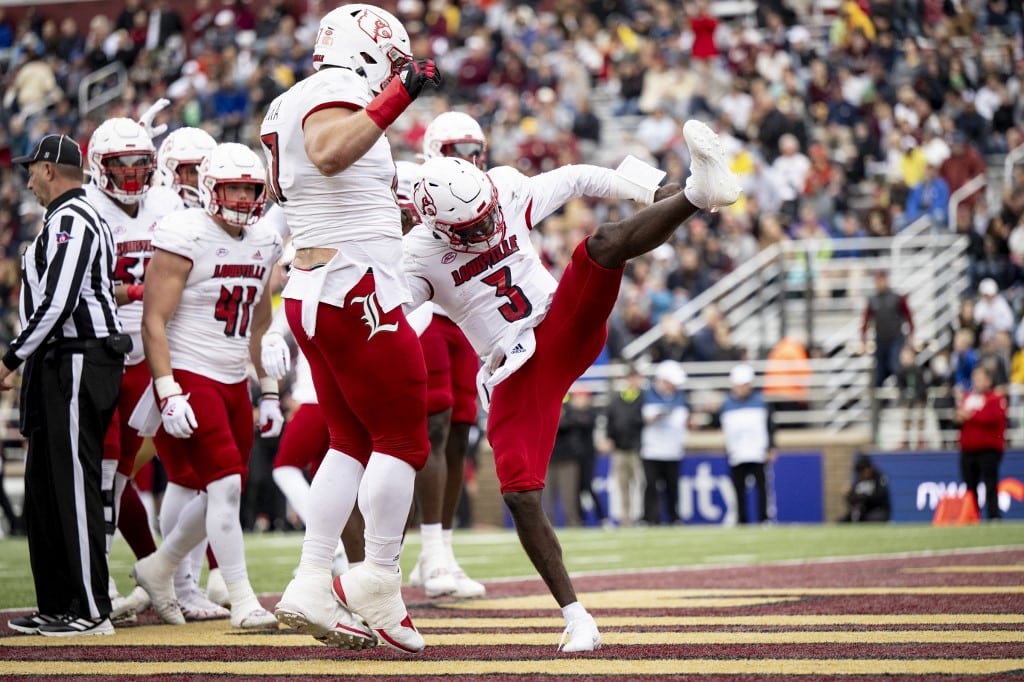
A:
238, 202
481, 235
186, 181
126, 175
468, 150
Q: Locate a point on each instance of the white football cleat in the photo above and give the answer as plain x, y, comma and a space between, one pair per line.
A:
156, 577
249, 615
125, 609
465, 587
436, 574
308, 605
375, 594
711, 184
217, 589
580, 635
196, 606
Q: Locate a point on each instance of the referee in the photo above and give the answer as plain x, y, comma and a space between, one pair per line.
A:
73, 350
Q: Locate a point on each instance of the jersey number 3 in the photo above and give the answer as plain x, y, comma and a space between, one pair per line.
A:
518, 306
233, 309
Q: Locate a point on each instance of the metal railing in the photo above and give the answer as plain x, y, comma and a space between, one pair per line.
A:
100, 87
821, 287
957, 197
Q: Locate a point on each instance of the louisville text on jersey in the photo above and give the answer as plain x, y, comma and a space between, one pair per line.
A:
485, 260
249, 270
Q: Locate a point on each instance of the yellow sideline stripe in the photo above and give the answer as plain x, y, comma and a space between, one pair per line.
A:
168, 636
662, 599
567, 666
808, 620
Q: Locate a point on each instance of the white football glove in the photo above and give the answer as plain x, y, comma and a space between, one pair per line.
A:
146, 120
275, 355
177, 416
271, 419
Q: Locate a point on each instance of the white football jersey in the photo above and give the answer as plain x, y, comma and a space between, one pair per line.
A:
132, 239
357, 203
209, 332
354, 211
488, 293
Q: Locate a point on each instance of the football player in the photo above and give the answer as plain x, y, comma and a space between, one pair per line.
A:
332, 172
451, 393
121, 162
536, 335
204, 314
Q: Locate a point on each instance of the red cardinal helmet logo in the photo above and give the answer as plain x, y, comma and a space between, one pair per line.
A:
427, 206
375, 26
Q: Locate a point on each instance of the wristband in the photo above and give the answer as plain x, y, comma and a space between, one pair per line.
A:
134, 292
386, 107
166, 386
268, 386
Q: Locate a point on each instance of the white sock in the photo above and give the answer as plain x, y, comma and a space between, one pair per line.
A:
241, 594
448, 535
223, 527
189, 531
385, 497
292, 483
176, 497
331, 498
573, 611
431, 538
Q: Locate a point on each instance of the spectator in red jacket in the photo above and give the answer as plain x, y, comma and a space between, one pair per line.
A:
963, 164
982, 417
703, 25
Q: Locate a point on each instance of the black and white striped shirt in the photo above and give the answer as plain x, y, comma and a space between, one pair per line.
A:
67, 289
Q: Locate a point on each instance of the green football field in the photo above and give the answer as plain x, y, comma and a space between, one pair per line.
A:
497, 554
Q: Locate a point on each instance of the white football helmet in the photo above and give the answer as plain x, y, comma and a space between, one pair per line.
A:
121, 159
232, 164
458, 200
178, 159
454, 133
368, 39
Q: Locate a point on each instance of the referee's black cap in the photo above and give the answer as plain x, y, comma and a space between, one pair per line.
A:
59, 149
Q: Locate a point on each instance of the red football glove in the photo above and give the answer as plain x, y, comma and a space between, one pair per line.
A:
386, 107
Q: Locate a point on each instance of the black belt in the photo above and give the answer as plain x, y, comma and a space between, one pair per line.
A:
118, 344
73, 345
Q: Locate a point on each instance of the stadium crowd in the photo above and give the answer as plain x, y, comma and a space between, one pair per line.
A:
841, 125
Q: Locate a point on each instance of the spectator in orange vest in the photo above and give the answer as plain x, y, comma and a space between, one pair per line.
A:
982, 417
787, 375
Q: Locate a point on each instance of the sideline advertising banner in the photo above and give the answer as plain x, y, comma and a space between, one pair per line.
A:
918, 480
